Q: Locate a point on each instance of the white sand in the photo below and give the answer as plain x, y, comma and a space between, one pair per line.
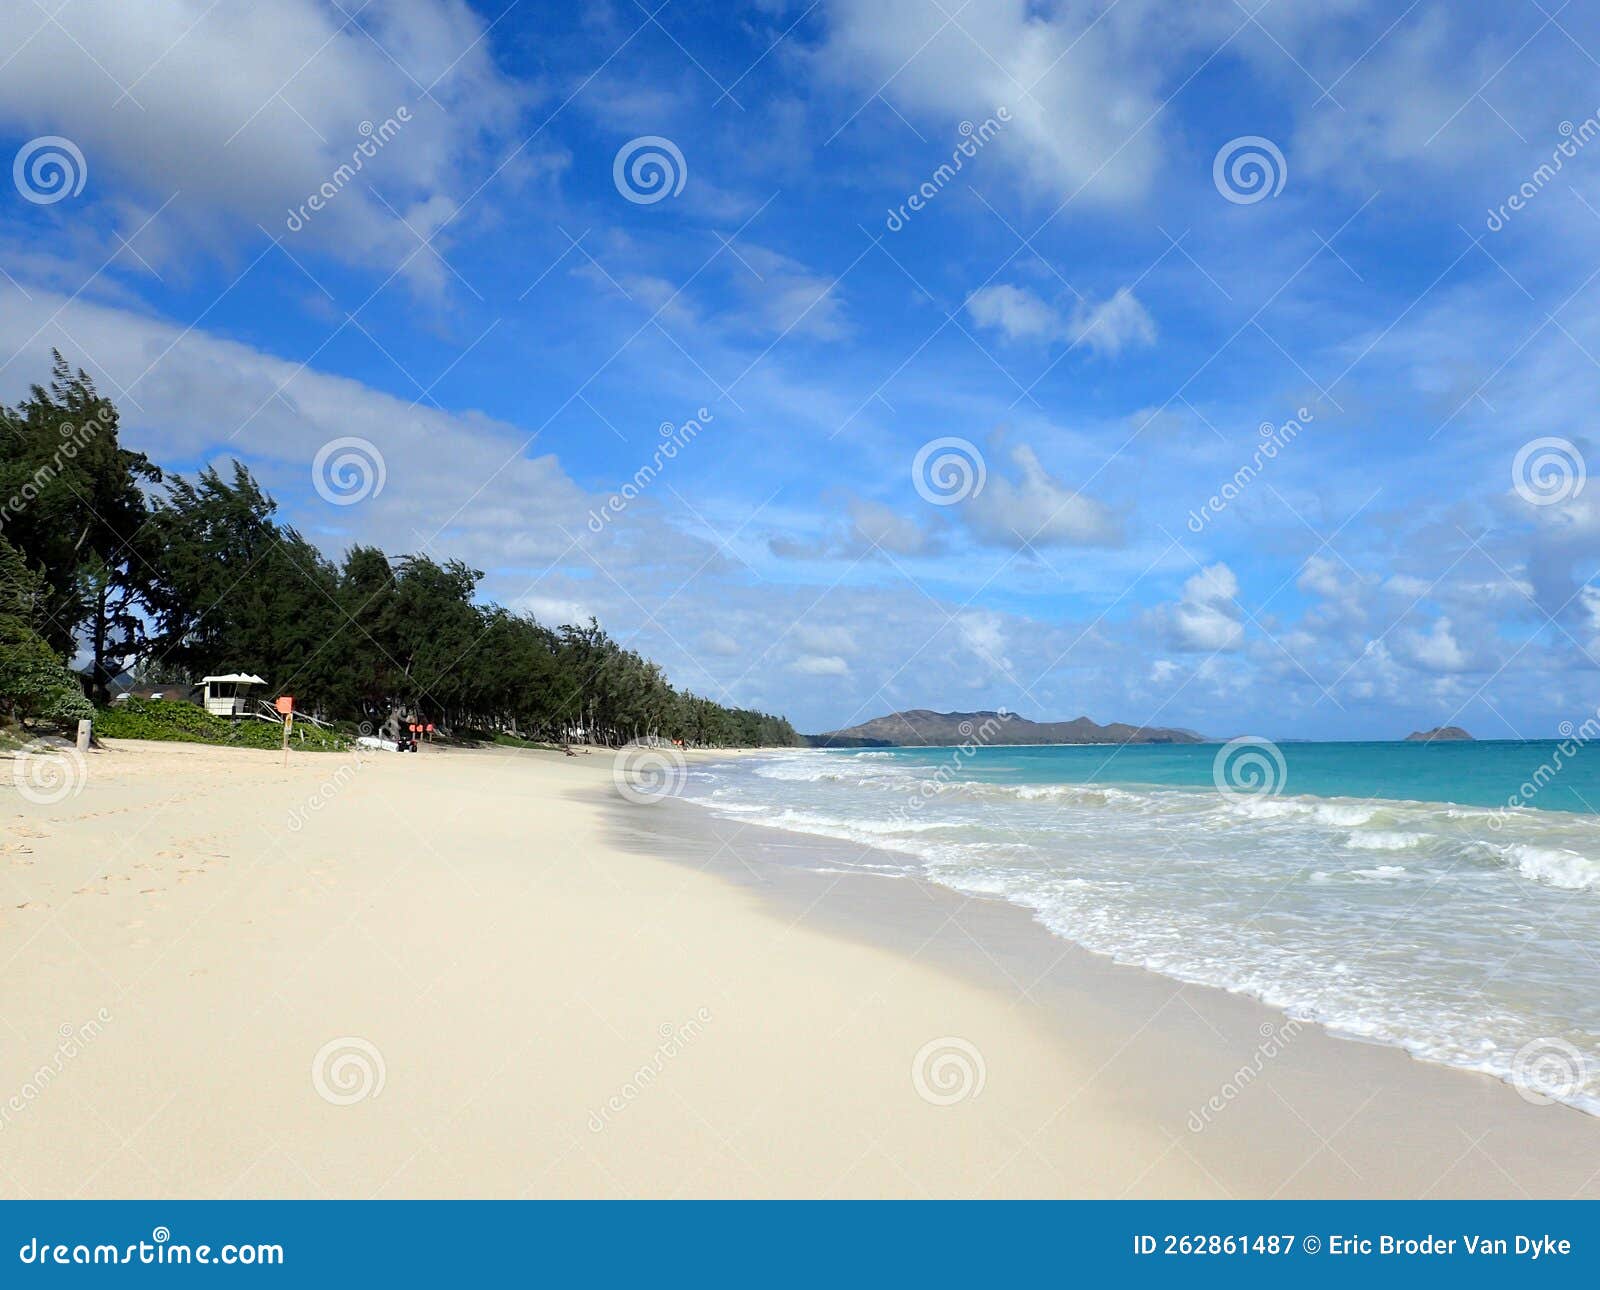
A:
553, 1016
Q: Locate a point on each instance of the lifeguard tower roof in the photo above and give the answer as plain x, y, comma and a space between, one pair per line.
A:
227, 695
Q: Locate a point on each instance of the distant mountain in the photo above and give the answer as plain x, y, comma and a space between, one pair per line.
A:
920, 727
1437, 734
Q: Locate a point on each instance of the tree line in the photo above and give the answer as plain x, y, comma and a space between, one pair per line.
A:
109, 560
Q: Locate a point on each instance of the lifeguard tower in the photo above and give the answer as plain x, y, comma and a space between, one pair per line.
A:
230, 695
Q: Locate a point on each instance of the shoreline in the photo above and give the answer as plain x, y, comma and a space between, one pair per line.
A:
460, 962
1403, 1135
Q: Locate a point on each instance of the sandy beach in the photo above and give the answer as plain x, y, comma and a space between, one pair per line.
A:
482, 973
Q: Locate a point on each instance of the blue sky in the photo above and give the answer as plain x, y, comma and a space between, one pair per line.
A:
1095, 302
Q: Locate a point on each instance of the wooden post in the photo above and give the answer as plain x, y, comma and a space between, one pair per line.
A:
285, 705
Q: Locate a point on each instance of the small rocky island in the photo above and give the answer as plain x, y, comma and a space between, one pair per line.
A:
1439, 734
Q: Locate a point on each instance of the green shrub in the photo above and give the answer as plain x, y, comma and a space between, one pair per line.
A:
190, 723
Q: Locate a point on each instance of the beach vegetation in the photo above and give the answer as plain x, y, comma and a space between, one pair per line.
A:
172, 721
182, 576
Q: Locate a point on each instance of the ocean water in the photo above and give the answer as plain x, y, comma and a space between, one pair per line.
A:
1386, 891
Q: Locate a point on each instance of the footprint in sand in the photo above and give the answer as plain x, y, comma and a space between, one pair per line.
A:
32, 904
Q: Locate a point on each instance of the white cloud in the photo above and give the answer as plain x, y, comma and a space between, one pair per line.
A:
720, 643
822, 638
1079, 88
871, 529
460, 480
984, 635
1107, 328
872, 524
1438, 650
820, 665
1014, 310
785, 296
239, 113
1113, 325
1207, 617
1034, 508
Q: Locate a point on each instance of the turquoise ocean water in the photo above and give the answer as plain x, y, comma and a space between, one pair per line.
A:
1443, 898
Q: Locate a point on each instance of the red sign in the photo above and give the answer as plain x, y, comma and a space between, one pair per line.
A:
430, 727
286, 704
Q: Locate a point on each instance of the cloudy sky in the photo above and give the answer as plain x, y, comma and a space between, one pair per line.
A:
1169, 363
